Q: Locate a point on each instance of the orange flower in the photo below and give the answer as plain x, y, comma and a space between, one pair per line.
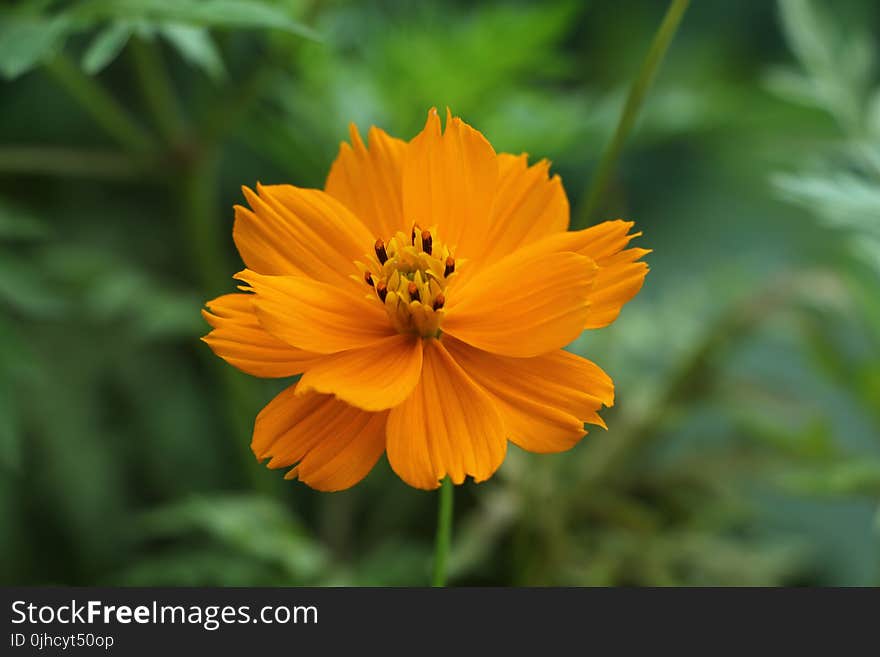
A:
425, 296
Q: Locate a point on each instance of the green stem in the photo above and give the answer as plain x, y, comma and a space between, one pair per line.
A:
102, 107
444, 532
70, 163
156, 88
202, 220
223, 118
634, 100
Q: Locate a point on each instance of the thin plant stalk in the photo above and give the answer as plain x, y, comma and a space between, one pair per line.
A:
156, 88
71, 163
444, 532
635, 98
202, 222
194, 180
100, 105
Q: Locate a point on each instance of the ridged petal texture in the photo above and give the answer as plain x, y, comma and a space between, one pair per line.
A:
448, 426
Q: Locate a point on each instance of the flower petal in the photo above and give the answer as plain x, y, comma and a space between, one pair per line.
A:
307, 232
369, 182
239, 339
448, 426
332, 445
316, 316
374, 378
449, 182
619, 277
524, 305
544, 400
529, 205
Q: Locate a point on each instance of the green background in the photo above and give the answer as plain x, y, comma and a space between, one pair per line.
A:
744, 447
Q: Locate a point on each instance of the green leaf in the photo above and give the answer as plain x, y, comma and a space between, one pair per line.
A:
837, 58
18, 224
855, 477
793, 86
873, 114
257, 528
10, 443
107, 290
105, 47
25, 41
206, 13
842, 199
197, 47
17, 362
24, 287
809, 34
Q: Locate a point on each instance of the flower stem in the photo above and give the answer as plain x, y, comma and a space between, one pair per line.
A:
444, 532
156, 88
634, 100
102, 107
201, 217
72, 163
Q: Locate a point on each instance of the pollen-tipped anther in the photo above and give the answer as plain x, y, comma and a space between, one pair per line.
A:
413, 290
409, 275
380, 251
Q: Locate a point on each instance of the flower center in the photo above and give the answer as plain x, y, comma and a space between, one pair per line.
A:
409, 274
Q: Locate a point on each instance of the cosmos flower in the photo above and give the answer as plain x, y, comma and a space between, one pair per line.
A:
425, 295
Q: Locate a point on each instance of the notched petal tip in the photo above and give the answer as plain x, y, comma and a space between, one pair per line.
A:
248, 276
328, 445
237, 337
432, 125
355, 136
252, 197
366, 179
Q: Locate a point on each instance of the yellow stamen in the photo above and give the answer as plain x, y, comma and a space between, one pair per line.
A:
410, 274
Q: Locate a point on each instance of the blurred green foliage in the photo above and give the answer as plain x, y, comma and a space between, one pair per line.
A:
744, 448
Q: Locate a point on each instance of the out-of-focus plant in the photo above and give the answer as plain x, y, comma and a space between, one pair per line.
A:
837, 74
673, 496
34, 33
86, 357
529, 94
743, 445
